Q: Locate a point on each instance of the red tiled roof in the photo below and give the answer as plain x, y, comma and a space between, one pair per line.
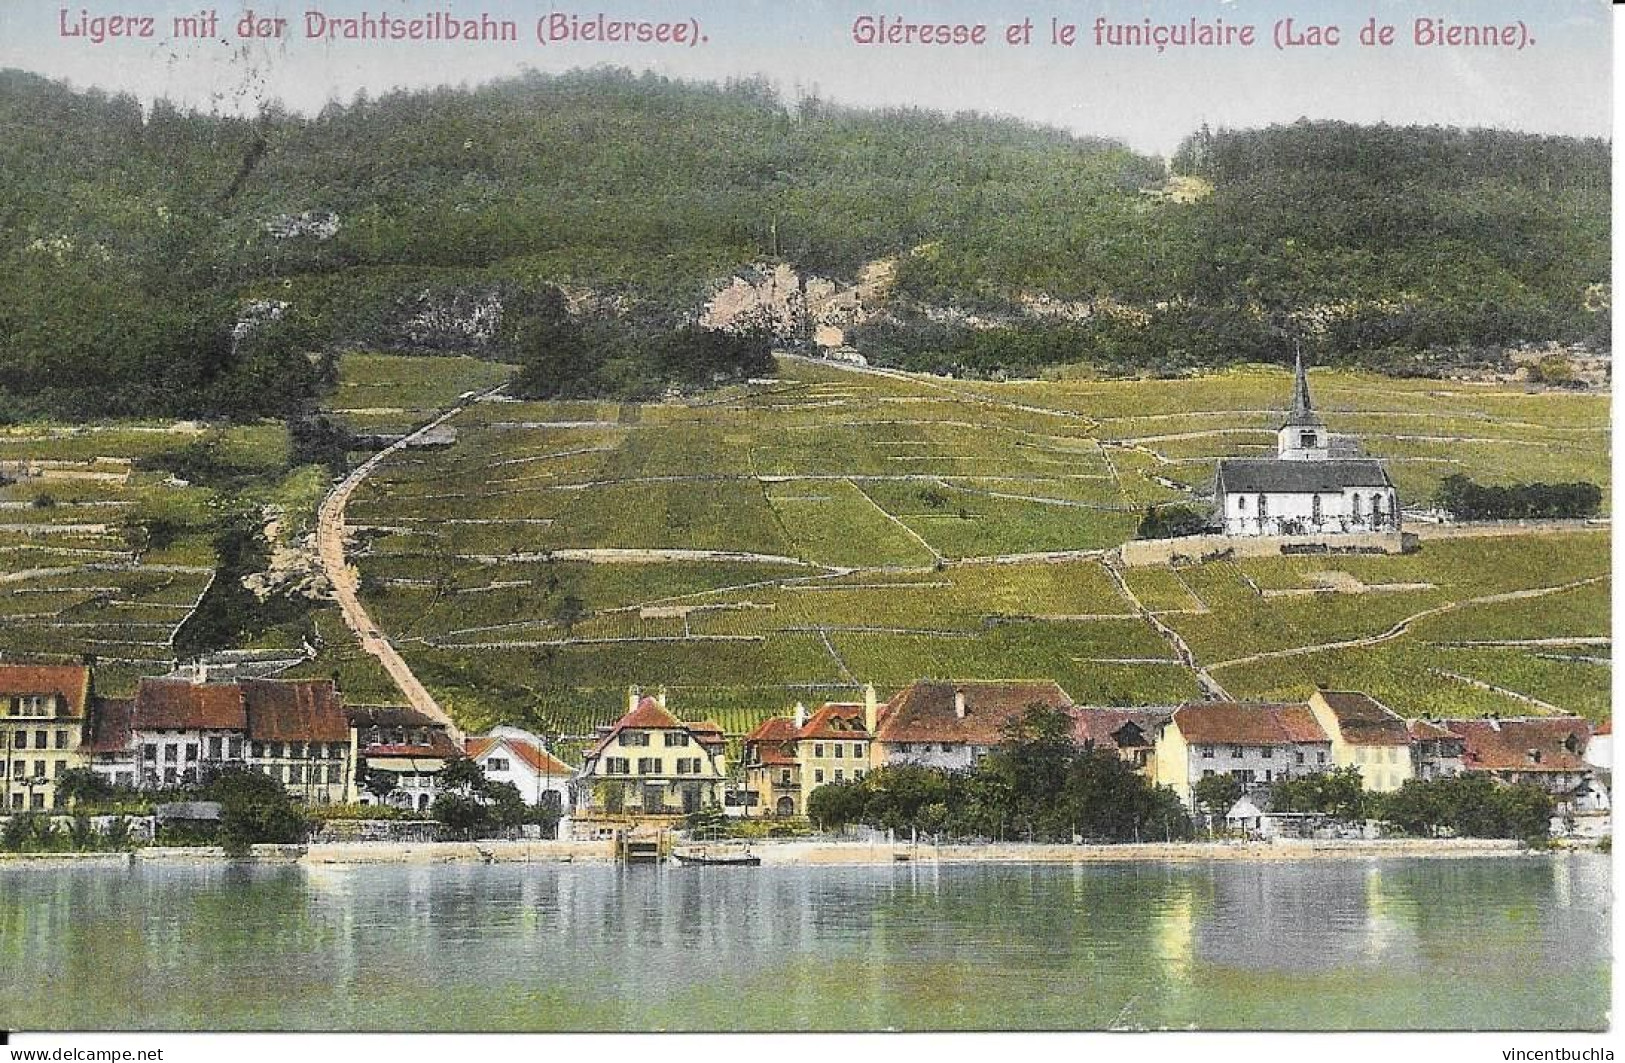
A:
771, 742
1507, 745
440, 747
1247, 723
540, 760
109, 725
837, 720
1364, 720
1101, 725
182, 705
707, 733
774, 756
925, 711
70, 682
300, 710
650, 715
362, 717
773, 729
1426, 731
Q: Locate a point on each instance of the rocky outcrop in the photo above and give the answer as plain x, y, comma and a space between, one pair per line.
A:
294, 569
796, 307
312, 224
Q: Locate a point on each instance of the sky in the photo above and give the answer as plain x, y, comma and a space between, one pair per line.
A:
1559, 84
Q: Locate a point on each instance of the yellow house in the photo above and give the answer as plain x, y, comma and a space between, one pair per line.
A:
788, 757
1258, 743
42, 721
649, 764
772, 774
1366, 735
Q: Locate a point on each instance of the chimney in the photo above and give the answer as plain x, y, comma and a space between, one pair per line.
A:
202, 671
959, 702
660, 697
801, 715
632, 698
871, 710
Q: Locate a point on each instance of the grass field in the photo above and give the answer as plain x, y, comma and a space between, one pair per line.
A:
881, 528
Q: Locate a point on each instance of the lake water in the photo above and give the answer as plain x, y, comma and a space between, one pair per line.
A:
1357, 944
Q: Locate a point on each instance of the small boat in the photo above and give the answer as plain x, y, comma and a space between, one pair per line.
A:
717, 855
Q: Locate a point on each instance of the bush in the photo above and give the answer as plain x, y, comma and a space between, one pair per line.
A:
33, 832
1466, 500
1170, 522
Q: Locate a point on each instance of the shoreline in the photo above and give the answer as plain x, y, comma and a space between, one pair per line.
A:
809, 853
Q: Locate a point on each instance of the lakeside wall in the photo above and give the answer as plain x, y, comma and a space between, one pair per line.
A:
787, 853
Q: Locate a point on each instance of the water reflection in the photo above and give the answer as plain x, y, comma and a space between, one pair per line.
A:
1328, 944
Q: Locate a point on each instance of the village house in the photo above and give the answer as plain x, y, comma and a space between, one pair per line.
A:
402, 752
772, 772
1130, 733
175, 730
1600, 751
1257, 742
1436, 751
953, 725
786, 758
1544, 751
514, 755
41, 731
1315, 485
298, 735
650, 765
1366, 735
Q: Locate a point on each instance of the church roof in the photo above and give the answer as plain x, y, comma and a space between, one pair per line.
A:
1298, 477
1303, 410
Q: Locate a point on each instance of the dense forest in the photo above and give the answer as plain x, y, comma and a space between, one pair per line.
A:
160, 261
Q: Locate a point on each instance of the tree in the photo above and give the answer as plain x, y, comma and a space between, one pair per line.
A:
1340, 794
1170, 522
377, 782
1217, 794
1469, 806
254, 809
837, 804
1553, 369
462, 775
82, 786
462, 813
569, 612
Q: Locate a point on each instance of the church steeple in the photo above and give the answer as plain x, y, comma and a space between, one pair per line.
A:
1303, 409
1303, 437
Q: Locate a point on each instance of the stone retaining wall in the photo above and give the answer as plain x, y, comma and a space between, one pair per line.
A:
1193, 548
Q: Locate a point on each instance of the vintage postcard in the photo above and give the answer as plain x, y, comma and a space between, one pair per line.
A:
750, 517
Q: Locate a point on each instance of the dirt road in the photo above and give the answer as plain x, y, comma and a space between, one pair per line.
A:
345, 579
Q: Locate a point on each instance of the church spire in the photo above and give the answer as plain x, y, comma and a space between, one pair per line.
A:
1303, 409
1300, 390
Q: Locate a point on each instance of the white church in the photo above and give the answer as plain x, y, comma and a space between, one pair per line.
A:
1313, 486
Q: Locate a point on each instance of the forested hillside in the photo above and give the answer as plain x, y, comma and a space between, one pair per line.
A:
179, 263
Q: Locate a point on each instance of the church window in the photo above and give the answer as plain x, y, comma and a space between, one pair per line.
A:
1376, 511
1314, 507
1241, 503
1263, 506
1359, 518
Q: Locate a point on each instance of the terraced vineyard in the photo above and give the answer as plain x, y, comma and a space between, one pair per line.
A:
99, 556
795, 538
